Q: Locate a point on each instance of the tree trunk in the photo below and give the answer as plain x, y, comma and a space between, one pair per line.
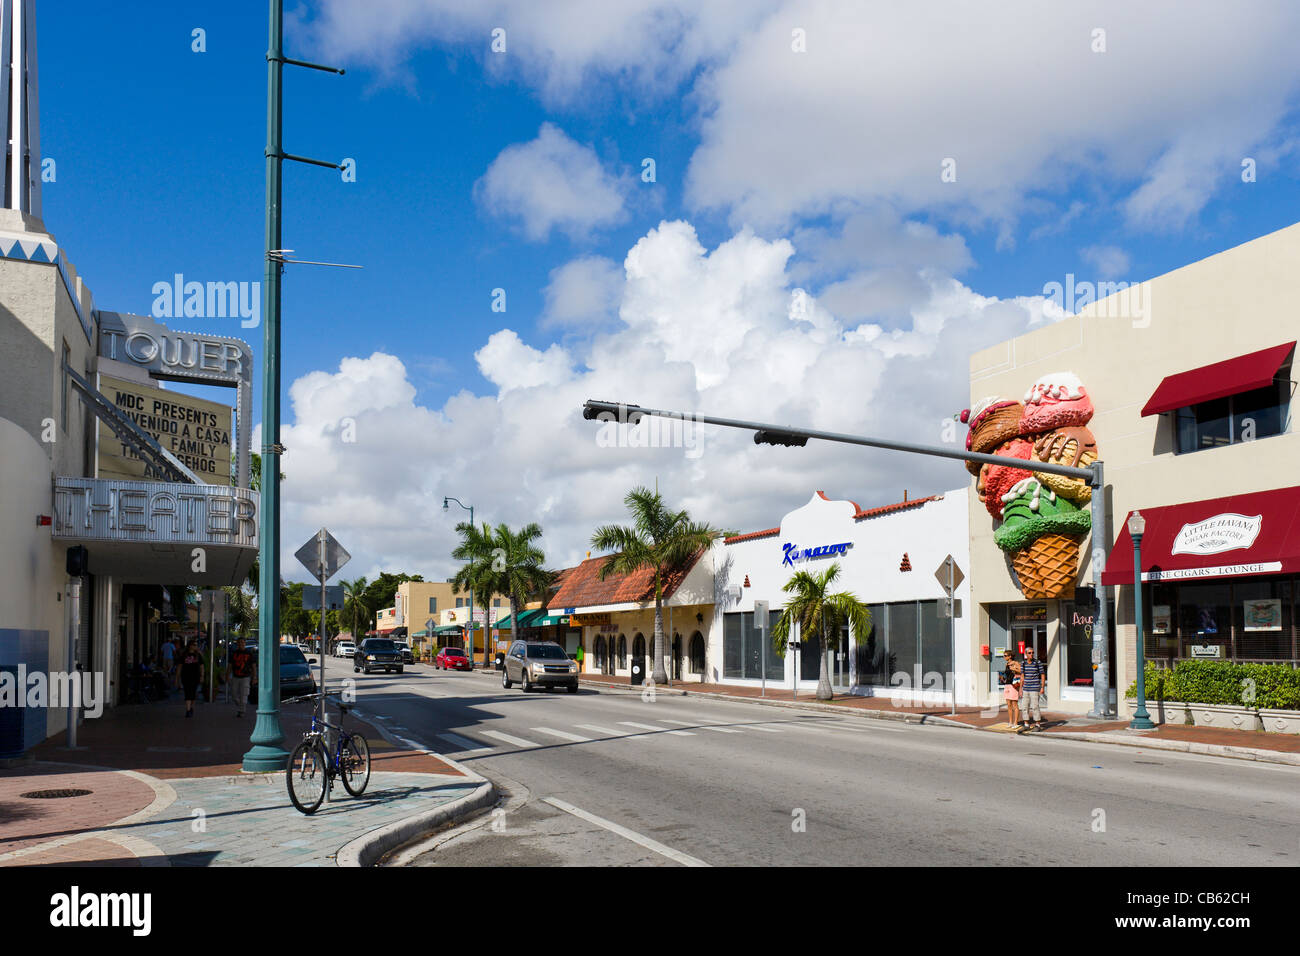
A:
660, 676
824, 679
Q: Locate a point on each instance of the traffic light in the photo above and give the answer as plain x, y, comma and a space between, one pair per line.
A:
769, 437
623, 414
78, 561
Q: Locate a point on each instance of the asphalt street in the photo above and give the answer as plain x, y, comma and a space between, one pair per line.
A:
613, 779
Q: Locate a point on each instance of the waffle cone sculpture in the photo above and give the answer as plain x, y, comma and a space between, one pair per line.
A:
1042, 530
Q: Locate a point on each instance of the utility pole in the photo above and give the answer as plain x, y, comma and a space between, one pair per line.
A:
267, 753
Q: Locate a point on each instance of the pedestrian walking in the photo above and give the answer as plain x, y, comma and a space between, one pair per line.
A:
168, 658
579, 656
1010, 680
190, 675
241, 675
1033, 681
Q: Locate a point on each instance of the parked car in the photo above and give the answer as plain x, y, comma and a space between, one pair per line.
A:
295, 672
452, 659
376, 653
408, 657
539, 664
345, 649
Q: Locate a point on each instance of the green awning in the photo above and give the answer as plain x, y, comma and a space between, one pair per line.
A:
447, 629
526, 619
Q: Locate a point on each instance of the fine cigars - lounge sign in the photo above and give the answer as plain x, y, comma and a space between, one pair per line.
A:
1223, 532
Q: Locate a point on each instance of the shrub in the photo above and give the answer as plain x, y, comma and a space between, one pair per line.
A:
1276, 686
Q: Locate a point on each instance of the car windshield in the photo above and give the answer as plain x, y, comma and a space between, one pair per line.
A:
550, 652
454, 652
289, 654
380, 646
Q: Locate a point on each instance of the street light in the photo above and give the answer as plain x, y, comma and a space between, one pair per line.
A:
1137, 525
470, 509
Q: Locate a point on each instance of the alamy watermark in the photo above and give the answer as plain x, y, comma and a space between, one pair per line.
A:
208, 300
56, 689
1116, 300
652, 431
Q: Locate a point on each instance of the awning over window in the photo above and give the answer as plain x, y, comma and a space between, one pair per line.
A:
1229, 377
526, 619
1238, 535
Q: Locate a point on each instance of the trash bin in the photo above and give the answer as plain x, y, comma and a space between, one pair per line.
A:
638, 671
500, 661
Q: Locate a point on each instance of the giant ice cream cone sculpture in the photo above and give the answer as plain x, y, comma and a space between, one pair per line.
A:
1044, 517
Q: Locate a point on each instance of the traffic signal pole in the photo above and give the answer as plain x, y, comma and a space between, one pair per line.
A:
769, 434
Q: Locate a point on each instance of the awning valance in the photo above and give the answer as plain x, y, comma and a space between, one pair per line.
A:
1257, 533
1232, 376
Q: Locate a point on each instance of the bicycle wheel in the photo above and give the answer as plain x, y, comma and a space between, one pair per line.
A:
355, 765
305, 776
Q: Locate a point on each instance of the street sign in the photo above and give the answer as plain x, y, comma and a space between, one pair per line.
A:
946, 568
333, 598
322, 561
761, 615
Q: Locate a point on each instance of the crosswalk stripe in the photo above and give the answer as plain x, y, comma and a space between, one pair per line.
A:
697, 724
612, 733
563, 734
762, 729
464, 743
513, 741
675, 733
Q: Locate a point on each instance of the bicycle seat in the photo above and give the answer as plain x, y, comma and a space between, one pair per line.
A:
344, 708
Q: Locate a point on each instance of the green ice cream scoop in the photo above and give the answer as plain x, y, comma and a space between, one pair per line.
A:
1030, 510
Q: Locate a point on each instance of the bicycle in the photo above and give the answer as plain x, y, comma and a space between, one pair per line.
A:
312, 767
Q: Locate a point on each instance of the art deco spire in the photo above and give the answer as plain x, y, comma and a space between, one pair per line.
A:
22, 182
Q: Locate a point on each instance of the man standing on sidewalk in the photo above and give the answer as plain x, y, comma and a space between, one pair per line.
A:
1034, 679
241, 673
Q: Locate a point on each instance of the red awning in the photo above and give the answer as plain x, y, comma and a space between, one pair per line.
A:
1255, 533
1229, 377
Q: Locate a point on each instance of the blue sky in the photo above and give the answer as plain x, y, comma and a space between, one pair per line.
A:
1117, 164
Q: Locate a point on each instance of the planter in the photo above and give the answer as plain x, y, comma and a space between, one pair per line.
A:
1222, 716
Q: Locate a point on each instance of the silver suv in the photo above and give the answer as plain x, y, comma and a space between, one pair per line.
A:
539, 664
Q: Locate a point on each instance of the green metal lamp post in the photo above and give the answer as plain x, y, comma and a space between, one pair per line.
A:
1137, 526
470, 509
267, 754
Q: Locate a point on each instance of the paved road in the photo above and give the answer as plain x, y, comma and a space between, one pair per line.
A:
613, 779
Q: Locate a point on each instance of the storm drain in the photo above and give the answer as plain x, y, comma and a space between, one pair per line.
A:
54, 794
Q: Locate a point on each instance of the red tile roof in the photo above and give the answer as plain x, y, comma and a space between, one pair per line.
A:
859, 512
583, 587
737, 538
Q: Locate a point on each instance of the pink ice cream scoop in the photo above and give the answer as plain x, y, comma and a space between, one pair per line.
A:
1058, 400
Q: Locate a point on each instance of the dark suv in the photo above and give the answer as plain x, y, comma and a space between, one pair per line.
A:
376, 653
539, 664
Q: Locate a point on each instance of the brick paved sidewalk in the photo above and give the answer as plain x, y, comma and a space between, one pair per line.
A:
169, 790
1054, 721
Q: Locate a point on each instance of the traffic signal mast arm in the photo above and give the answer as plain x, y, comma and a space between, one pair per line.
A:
785, 435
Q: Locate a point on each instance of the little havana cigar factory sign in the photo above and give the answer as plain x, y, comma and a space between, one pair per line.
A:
794, 553
1223, 532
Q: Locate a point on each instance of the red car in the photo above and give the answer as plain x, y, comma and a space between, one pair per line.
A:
452, 659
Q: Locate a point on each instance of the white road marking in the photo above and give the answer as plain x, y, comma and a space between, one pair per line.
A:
654, 845
465, 744
762, 729
563, 735
513, 741
620, 734
658, 730
700, 726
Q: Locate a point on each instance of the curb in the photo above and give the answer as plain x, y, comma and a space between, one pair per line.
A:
1153, 743
369, 848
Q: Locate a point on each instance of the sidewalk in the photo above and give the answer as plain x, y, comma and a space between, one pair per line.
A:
159, 789
1242, 744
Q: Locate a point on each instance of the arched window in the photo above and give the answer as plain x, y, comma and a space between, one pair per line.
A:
600, 652
638, 646
622, 650
697, 653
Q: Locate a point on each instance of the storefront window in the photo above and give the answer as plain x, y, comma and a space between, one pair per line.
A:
872, 650
745, 650
936, 640
1205, 620
1246, 619
903, 639
1262, 620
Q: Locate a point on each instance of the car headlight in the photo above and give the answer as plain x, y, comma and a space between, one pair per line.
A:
572, 667
370, 657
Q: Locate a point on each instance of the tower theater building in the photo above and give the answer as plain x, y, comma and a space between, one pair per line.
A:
96, 451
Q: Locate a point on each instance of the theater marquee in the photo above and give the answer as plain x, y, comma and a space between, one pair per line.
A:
195, 430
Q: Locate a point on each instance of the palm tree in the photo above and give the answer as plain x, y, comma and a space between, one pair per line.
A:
813, 607
666, 542
516, 568
354, 603
476, 549
241, 611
